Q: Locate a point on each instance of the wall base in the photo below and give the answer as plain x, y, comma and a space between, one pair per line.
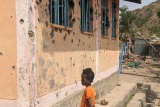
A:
101, 87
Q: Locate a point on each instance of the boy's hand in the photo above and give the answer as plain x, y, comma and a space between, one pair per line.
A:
90, 102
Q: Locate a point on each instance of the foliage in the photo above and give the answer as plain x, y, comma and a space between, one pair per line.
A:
126, 19
158, 13
155, 29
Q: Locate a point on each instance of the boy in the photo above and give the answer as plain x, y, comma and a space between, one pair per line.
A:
88, 98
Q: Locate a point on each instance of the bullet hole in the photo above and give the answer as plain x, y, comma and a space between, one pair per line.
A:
68, 32
93, 60
96, 12
11, 16
46, 12
40, 1
73, 64
79, 40
52, 33
39, 20
13, 67
71, 40
100, 47
46, 5
57, 95
64, 38
60, 30
73, 21
11, 74
70, 16
71, 4
46, 23
37, 3
91, 10
78, 44
73, 33
21, 21
30, 33
30, 8
76, 82
83, 43
56, 29
89, 46
1, 53
53, 41
79, 3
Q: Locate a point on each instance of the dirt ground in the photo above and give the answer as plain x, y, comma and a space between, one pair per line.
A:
142, 75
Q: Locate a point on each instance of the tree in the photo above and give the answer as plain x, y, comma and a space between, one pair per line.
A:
158, 13
127, 19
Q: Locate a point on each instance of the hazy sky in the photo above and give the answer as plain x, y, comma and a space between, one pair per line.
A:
133, 6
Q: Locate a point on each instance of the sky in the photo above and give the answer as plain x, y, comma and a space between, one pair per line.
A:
133, 6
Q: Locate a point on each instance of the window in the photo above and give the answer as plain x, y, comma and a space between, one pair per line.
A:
104, 18
86, 16
113, 19
59, 12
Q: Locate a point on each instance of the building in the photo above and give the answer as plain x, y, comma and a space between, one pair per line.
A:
45, 45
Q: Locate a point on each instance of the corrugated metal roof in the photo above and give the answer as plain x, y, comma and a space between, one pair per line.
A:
135, 1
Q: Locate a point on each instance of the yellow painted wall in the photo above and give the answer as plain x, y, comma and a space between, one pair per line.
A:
8, 81
62, 54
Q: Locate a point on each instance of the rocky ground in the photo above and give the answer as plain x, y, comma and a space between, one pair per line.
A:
142, 75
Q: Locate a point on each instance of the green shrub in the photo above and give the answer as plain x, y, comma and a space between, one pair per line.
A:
158, 13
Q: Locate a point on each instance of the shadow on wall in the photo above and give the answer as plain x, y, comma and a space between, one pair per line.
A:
58, 40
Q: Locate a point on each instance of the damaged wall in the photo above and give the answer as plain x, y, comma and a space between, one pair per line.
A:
8, 80
62, 54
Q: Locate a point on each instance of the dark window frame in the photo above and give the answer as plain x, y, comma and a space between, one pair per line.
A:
86, 15
59, 13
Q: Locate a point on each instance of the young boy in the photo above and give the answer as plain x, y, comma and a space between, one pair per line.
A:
88, 98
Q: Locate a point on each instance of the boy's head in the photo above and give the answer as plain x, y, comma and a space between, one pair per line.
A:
87, 76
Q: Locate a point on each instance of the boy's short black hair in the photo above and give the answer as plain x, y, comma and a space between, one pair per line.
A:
89, 73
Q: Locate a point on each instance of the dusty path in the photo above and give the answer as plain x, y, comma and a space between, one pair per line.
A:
142, 75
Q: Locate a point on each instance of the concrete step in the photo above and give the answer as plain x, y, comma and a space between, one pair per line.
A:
119, 96
138, 100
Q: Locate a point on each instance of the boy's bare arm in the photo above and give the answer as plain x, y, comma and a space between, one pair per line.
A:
90, 102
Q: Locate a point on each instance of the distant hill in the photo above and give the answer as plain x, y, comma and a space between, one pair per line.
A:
148, 22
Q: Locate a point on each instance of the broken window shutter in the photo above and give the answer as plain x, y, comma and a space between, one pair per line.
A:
103, 18
65, 12
56, 11
82, 15
88, 16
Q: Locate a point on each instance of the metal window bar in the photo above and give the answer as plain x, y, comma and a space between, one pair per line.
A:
88, 18
113, 19
55, 17
65, 15
82, 15
51, 11
103, 18
85, 15
87, 10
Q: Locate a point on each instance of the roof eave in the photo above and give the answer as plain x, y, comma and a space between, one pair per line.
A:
134, 1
